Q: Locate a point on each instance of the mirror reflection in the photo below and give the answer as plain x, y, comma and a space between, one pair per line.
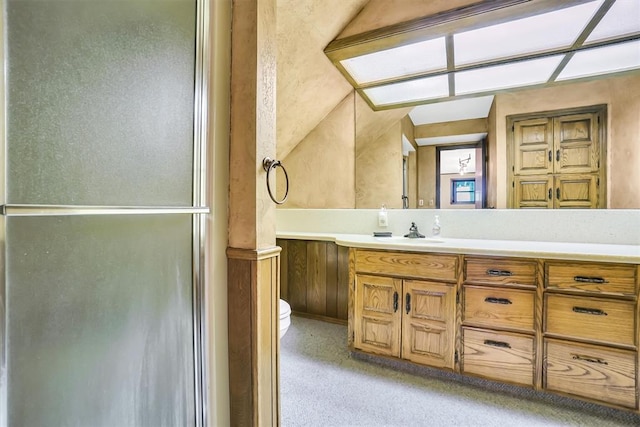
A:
340, 154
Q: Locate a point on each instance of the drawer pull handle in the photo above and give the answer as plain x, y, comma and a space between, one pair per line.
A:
493, 300
497, 344
407, 301
492, 272
395, 302
589, 359
584, 279
594, 311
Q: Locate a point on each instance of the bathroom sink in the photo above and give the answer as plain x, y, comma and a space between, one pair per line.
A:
402, 239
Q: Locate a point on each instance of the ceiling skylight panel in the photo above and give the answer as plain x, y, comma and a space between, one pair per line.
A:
430, 55
531, 72
602, 60
409, 91
537, 33
621, 19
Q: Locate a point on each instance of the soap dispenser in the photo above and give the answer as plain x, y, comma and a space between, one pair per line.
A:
383, 220
435, 230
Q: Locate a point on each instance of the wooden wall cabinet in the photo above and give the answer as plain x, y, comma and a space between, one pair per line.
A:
558, 159
405, 306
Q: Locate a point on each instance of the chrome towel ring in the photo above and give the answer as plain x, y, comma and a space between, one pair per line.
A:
269, 164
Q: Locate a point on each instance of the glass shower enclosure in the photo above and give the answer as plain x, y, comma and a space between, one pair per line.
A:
102, 213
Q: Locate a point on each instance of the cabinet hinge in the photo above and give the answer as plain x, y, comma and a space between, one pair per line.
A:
513, 184
513, 128
455, 357
597, 182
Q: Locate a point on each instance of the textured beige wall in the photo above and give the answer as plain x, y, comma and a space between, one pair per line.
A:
253, 123
321, 168
622, 96
381, 13
379, 170
412, 162
427, 176
309, 86
378, 156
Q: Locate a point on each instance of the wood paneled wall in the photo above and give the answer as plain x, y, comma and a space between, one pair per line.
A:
253, 336
315, 278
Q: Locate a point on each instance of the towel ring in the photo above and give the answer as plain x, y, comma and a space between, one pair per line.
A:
268, 164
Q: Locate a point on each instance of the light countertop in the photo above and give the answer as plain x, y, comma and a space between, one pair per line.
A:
510, 248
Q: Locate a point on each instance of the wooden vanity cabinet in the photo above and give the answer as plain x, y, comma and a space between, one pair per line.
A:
499, 300
566, 327
404, 306
591, 331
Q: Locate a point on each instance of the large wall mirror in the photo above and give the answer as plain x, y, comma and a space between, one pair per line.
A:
356, 153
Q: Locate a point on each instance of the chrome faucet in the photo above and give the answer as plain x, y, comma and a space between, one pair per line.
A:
413, 232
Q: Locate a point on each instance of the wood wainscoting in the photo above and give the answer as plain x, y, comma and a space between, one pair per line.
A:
253, 289
315, 278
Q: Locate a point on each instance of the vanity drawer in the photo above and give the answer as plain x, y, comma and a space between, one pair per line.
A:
500, 356
591, 371
611, 321
406, 264
613, 279
498, 307
499, 271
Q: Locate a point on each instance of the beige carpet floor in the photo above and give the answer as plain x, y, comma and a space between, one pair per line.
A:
322, 384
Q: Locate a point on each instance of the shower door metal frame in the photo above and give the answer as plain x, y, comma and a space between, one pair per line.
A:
198, 211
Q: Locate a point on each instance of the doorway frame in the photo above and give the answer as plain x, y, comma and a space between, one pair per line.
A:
481, 172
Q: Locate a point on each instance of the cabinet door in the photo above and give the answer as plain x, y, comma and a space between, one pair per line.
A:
533, 191
576, 191
428, 323
576, 143
377, 315
533, 145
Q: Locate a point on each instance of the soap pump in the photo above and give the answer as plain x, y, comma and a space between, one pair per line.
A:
435, 230
383, 220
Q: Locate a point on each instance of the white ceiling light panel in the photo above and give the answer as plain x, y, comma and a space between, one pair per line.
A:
516, 74
622, 18
409, 91
537, 33
430, 55
602, 60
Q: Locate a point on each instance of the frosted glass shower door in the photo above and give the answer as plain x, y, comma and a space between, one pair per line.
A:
101, 214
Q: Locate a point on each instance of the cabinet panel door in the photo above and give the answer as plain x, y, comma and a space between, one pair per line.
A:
576, 143
533, 191
576, 191
533, 140
377, 315
428, 323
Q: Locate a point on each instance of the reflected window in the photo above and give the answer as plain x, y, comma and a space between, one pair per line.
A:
463, 191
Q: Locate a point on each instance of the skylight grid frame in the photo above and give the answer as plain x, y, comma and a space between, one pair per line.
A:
465, 19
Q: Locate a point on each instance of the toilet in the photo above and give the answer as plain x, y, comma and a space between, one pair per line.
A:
285, 317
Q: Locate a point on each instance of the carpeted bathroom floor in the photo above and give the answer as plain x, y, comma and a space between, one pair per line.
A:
321, 384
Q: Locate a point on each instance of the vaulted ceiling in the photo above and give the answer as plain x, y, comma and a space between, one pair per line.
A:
309, 87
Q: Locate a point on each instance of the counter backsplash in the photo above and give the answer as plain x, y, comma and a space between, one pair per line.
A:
610, 226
